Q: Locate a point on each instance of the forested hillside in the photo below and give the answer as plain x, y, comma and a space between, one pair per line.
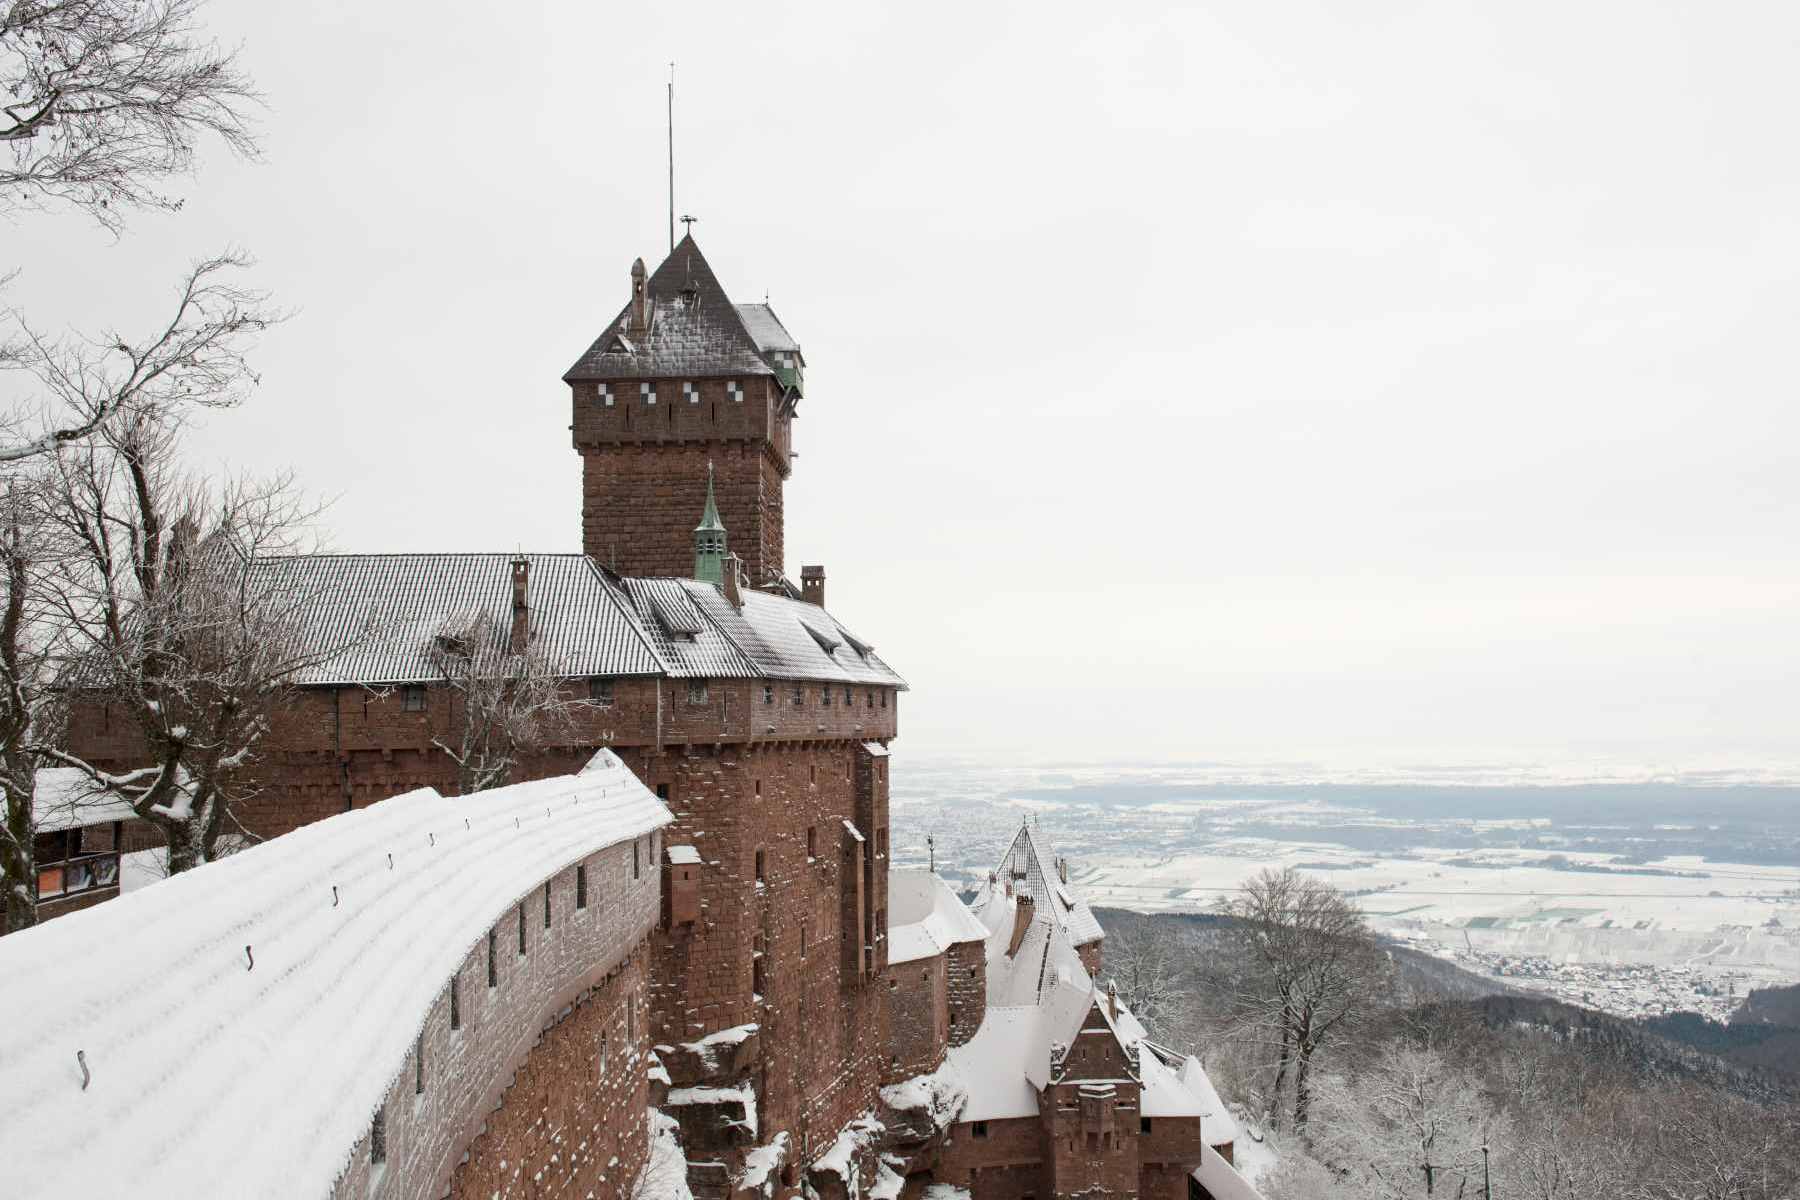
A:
1429, 1075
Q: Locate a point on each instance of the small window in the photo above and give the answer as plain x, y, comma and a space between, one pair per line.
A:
662, 792
825, 697
546, 904
691, 392
803, 939
646, 393
812, 841
799, 696
412, 697
848, 699
734, 393
871, 699
637, 861
493, 957
604, 394
600, 691
521, 929
761, 868
759, 789
768, 693
378, 1138
980, 1129
953, 1018
1143, 1124
696, 690
419, 1067
581, 886
455, 1003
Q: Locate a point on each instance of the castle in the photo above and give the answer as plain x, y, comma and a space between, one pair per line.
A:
791, 1023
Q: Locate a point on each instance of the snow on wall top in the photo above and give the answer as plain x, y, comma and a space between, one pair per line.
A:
270, 1075
925, 918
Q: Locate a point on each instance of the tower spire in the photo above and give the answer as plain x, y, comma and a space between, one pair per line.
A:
709, 539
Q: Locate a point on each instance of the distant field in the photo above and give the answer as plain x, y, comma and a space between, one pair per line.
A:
1571, 884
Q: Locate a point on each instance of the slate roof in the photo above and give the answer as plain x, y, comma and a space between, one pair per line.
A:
387, 610
767, 330
695, 329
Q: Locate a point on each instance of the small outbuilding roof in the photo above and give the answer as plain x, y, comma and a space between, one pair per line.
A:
925, 918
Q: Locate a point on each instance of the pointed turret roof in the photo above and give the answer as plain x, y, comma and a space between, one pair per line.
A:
694, 329
709, 520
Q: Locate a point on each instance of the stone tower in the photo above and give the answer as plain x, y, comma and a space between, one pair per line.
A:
681, 381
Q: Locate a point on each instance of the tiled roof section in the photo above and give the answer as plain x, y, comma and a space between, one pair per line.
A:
767, 330
388, 609
665, 609
695, 330
786, 639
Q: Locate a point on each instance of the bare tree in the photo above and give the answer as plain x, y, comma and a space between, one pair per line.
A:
1410, 1125
1316, 969
24, 671
196, 357
1147, 959
508, 701
100, 101
182, 618
105, 99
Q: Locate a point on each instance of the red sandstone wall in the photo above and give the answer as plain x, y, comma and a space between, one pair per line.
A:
644, 473
966, 985
918, 1012
823, 1036
572, 1123
1007, 1164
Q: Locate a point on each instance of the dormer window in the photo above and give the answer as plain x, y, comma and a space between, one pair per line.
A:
646, 393
734, 392
604, 394
691, 393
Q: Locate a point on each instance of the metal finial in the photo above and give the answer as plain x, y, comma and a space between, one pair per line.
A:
250, 959
86, 1075
334, 896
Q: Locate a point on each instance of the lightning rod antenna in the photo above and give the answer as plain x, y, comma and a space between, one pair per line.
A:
671, 156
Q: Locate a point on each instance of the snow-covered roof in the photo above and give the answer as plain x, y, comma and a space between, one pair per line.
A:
1028, 868
65, 798
695, 330
385, 614
273, 1070
1220, 1178
1217, 1124
684, 855
766, 329
925, 918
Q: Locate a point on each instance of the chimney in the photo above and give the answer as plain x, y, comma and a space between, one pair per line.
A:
733, 595
1112, 1000
521, 611
812, 585
1062, 869
640, 299
1022, 911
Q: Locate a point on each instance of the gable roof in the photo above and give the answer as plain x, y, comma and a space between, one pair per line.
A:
387, 611
695, 329
1027, 869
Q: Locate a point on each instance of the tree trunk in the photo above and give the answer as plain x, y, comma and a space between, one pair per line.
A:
1281, 1066
1301, 1099
187, 845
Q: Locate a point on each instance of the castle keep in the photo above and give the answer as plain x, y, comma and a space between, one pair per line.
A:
794, 1025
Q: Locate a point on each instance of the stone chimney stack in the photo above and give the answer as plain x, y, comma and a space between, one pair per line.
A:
640, 299
730, 568
521, 608
812, 585
1022, 910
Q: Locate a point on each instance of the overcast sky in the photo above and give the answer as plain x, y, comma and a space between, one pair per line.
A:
1356, 384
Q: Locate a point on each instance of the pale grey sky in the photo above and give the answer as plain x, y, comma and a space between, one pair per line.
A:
1355, 383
